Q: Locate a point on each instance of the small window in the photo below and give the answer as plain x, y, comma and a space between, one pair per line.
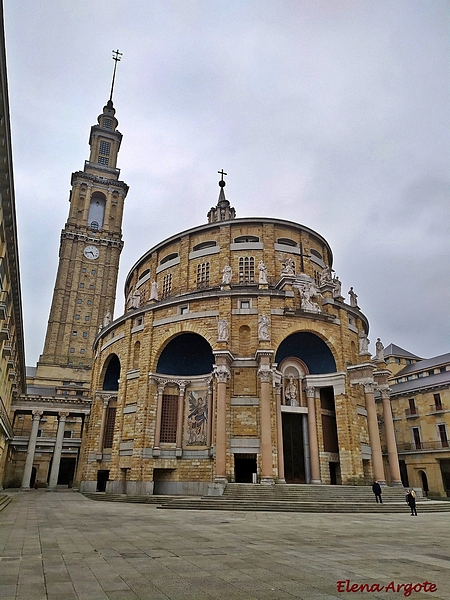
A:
168, 257
79, 301
93, 271
77, 317
143, 274
94, 225
89, 302
105, 148
86, 318
82, 351
83, 270
102, 160
72, 350
203, 245
39, 433
138, 321
286, 242
74, 333
316, 253
85, 334
184, 310
243, 304
242, 239
107, 123
91, 287
68, 434
82, 285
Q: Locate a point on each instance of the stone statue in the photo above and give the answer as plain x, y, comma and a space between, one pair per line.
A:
154, 291
136, 299
353, 298
290, 392
222, 330
262, 272
325, 276
308, 291
288, 267
363, 342
263, 327
226, 275
379, 351
337, 290
107, 319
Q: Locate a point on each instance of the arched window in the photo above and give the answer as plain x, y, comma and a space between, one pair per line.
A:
96, 211
112, 374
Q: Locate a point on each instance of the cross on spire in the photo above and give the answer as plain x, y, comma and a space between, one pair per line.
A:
222, 182
116, 58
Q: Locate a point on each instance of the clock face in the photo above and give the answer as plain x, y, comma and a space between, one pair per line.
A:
91, 252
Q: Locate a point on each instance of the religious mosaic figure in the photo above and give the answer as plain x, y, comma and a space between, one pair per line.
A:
353, 298
197, 419
379, 350
222, 330
154, 291
363, 342
288, 267
290, 392
226, 275
263, 327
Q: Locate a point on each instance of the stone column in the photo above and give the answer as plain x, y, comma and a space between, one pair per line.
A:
53, 482
312, 434
105, 402
37, 414
265, 377
306, 449
222, 374
156, 448
179, 440
394, 467
374, 436
280, 450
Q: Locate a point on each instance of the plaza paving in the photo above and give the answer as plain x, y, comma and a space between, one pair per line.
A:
63, 546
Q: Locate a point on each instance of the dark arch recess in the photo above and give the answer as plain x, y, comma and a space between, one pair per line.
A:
310, 349
112, 374
186, 354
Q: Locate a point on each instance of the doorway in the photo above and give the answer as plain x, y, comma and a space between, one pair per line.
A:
244, 467
102, 478
294, 455
66, 471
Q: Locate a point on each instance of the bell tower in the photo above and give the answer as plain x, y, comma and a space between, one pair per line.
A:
90, 247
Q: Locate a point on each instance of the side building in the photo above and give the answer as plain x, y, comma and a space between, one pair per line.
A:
12, 354
420, 396
237, 359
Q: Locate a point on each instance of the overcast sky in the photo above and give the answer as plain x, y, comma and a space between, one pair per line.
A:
333, 114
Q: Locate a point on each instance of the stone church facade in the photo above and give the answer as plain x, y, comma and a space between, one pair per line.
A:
237, 359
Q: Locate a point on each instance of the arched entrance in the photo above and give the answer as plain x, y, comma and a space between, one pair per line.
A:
424, 478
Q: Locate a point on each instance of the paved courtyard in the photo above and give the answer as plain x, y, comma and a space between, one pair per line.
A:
62, 546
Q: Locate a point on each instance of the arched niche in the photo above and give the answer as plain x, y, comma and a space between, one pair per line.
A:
186, 354
96, 210
111, 374
310, 349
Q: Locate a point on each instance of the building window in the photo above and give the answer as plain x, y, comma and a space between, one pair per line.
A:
72, 350
85, 334
89, 302
83, 270
74, 333
105, 148
242, 239
169, 415
316, 253
86, 318
107, 123
109, 427
93, 271
245, 304
203, 275
91, 287
184, 310
416, 438
68, 433
246, 269
437, 401
317, 277
167, 285
103, 160
81, 285
82, 351
443, 435
412, 407
79, 301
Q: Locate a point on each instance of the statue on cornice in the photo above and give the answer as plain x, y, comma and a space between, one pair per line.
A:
337, 289
353, 298
379, 351
288, 267
308, 291
136, 299
226, 275
154, 291
262, 273
363, 342
325, 276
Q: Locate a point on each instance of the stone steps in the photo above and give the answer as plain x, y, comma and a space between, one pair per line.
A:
4, 501
102, 497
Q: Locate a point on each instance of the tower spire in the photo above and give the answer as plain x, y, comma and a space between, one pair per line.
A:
117, 56
222, 211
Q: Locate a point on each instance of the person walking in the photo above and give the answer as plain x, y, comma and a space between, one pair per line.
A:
411, 501
376, 489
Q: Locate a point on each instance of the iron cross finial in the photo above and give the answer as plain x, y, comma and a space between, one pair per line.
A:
222, 182
117, 56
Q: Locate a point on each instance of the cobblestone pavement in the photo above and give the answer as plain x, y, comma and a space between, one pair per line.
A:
62, 546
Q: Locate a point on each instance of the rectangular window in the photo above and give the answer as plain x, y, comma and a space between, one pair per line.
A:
85, 334
91, 287
74, 333
93, 271
416, 438
203, 275
72, 350
412, 407
79, 301
244, 304
89, 302
68, 434
105, 148
109, 427
443, 435
39, 433
103, 160
107, 123
184, 310
167, 285
86, 318
83, 270
169, 415
82, 351
437, 401
81, 285
246, 269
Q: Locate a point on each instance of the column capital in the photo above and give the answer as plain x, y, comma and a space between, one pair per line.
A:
385, 393
37, 414
62, 416
369, 387
222, 373
310, 392
265, 374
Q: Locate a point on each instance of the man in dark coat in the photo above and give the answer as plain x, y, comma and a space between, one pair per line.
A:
411, 501
376, 489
